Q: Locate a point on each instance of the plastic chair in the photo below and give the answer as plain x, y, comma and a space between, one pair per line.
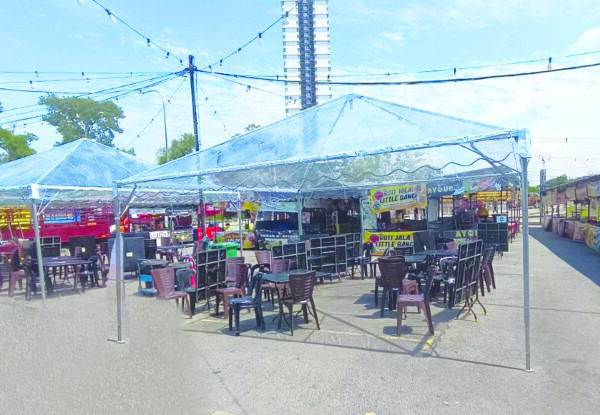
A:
364, 261
16, 274
164, 281
270, 289
239, 273
184, 283
486, 272
253, 301
229, 279
4, 273
263, 257
421, 301
393, 270
301, 288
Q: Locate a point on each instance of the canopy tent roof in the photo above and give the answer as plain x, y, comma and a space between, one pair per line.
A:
337, 148
79, 172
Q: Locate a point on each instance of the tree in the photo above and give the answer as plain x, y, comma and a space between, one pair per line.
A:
76, 118
15, 146
557, 181
178, 148
130, 151
247, 129
251, 127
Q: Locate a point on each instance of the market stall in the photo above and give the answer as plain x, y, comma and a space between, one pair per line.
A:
62, 193
341, 149
572, 210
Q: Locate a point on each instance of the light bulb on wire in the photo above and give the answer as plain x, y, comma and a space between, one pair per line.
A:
260, 39
112, 16
549, 63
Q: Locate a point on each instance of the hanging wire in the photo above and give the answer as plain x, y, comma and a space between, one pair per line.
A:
214, 110
412, 82
246, 85
258, 36
106, 94
133, 29
138, 135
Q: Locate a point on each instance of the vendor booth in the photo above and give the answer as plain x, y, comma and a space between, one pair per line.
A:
62, 195
343, 149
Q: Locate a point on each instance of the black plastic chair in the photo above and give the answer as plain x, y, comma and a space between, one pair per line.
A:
184, 283
364, 261
252, 301
393, 270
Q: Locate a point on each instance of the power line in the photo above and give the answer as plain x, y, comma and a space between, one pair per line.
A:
215, 113
138, 135
413, 82
108, 93
83, 78
548, 60
133, 29
248, 87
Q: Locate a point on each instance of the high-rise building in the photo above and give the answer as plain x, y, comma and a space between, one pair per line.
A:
305, 53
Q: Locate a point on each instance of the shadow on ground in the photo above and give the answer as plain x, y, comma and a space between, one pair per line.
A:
577, 255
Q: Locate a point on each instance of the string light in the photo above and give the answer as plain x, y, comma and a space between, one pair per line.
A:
116, 18
111, 16
275, 78
549, 63
258, 36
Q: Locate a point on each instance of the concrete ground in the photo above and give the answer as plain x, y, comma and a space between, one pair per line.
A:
56, 359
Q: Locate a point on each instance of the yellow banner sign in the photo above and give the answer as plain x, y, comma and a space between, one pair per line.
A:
384, 240
398, 197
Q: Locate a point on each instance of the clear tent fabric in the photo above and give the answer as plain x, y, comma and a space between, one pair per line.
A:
336, 149
81, 172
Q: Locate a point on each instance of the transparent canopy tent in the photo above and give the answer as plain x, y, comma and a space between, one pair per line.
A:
77, 174
340, 149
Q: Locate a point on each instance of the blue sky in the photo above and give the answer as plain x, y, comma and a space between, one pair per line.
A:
366, 37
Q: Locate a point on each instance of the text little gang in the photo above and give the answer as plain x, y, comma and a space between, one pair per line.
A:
398, 195
393, 241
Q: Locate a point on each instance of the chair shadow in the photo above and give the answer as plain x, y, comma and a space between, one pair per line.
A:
577, 255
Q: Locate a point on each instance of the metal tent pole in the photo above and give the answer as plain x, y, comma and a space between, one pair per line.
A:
525, 219
119, 254
38, 251
239, 215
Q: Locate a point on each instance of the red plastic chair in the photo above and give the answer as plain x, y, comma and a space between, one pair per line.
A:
239, 274
263, 257
420, 301
16, 274
163, 280
277, 265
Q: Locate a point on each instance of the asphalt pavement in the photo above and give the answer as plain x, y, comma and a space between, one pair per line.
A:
57, 358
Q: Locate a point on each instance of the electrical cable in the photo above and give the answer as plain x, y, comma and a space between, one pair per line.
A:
133, 29
257, 37
413, 82
215, 113
248, 86
138, 135
112, 93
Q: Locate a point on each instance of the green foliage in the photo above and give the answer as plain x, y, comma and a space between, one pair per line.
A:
76, 118
15, 146
251, 127
247, 129
130, 151
557, 181
177, 148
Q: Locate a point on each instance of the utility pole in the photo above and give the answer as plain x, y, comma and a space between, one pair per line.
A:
192, 70
201, 213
